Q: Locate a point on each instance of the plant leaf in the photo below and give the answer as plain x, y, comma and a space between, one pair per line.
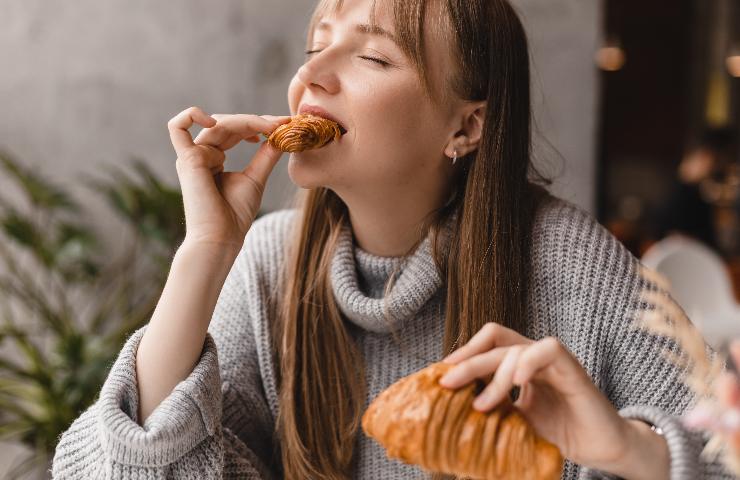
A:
40, 192
25, 233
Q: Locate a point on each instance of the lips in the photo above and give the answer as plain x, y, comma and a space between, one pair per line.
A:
320, 112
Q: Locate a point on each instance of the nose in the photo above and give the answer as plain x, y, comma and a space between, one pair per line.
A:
320, 72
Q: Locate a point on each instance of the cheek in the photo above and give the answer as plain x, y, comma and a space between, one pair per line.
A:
386, 112
396, 124
295, 90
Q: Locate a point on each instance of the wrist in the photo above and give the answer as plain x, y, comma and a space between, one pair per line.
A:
220, 252
646, 454
210, 262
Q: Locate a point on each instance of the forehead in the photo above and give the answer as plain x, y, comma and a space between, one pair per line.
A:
413, 24
419, 27
377, 13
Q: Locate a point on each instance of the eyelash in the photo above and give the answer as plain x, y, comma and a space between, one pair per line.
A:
380, 62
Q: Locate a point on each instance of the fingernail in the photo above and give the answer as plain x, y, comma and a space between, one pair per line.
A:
450, 358
480, 402
448, 379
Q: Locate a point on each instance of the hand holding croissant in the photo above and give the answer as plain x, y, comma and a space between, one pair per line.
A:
559, 400
446, 419
420, 422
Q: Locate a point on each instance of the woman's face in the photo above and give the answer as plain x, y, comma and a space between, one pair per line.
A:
396, 136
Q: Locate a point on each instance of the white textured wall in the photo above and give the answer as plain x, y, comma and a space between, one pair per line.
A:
87, 83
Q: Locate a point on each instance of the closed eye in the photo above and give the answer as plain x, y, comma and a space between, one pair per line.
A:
310, 53
376, 60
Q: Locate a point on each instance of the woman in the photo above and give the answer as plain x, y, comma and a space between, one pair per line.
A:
417, 232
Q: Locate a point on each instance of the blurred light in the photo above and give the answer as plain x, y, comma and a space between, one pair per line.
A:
733, 65
630, 208
611, 58
718, 98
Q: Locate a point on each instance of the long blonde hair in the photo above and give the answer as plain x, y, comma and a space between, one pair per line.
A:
486, 265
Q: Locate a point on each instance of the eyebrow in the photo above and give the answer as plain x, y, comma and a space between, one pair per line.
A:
364, 28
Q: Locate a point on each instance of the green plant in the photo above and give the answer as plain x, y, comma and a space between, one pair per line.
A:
68, 301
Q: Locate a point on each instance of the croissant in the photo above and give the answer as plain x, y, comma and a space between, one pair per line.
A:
304, 132
420, 422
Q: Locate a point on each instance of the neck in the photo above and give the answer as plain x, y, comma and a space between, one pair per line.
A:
387, 225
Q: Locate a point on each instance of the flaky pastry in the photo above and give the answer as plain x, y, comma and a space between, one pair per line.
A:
420, 422
304, 132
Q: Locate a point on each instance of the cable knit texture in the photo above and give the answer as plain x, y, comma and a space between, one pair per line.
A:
219, 422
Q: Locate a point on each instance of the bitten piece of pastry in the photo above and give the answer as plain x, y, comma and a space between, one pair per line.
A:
304, 132
420, 422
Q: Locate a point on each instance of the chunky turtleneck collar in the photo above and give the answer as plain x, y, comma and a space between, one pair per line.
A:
359, 279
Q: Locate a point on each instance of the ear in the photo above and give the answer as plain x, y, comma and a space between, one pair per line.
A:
469, 129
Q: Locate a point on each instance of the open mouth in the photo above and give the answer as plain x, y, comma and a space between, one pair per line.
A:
320, 112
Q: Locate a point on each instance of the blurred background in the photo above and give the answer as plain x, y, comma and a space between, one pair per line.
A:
636, 110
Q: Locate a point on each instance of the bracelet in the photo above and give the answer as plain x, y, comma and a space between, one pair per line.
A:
683, 448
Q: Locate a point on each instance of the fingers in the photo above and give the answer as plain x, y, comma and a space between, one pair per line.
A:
214, 136
542, 354
478, 366
277, 118
511, 366
190, 167
178, 127
502, 381
249, 126
490, 336
200, 156
232, 129
262, 164
230, 143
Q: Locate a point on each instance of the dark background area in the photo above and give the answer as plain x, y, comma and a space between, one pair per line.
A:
674, 85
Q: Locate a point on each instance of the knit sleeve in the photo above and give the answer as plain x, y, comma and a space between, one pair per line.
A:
204, 429
602, 290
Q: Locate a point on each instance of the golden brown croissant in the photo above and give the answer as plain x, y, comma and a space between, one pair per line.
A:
304, 132
420, 422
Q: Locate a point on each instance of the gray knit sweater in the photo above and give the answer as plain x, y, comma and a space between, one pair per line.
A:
219, 422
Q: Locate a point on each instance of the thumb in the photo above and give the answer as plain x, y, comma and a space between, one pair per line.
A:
262, 163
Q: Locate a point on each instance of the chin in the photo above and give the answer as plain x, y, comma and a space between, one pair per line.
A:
307, 171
